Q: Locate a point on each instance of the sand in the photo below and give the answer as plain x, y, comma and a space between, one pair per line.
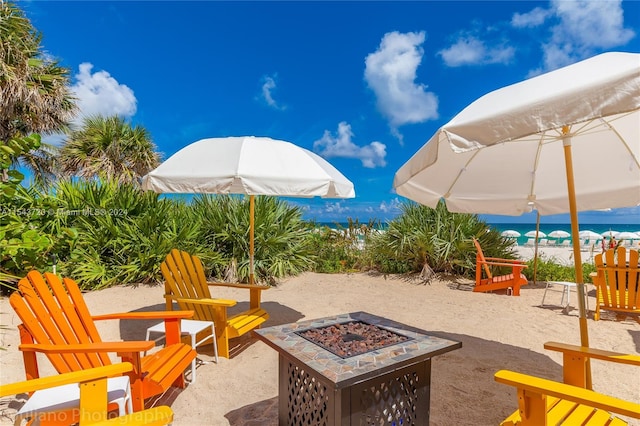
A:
497, 332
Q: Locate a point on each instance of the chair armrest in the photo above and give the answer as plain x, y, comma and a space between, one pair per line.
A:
225, 303
568, 392
574, 350
596, 278
236, 285
131, 346
498, 259
65, 379
510, 265
146, 315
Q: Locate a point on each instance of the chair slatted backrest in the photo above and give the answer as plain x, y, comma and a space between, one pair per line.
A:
480, 258
620, 279
54, 312
185, 278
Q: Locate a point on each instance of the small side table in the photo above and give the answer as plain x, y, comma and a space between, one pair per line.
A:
566, 289
192, 328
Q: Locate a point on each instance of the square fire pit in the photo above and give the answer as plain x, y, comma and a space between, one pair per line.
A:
353, 369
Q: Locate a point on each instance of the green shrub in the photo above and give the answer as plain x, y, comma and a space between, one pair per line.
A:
281, 243
422, 237
122, 234
23, 243
548, 269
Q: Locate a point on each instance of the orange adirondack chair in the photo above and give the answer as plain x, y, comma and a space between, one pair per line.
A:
490, 282
617, 282
57, 322
186, 284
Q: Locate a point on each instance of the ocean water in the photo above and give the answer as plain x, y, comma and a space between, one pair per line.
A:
523, 228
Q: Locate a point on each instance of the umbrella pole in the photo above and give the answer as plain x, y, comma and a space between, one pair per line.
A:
251, 231
582, 312
535, 254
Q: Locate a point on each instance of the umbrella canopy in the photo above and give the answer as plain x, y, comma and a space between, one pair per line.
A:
589, 235
510, 233
534, 234
627, 236
248, 165
540, 142
591, 104
559, 234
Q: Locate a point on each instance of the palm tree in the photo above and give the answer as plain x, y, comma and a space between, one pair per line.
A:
108, 147
35, 90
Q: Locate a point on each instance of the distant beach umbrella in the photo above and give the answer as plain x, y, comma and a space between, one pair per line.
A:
532, 234
589, 235
559, 234
610, 234
627, 236
510, 233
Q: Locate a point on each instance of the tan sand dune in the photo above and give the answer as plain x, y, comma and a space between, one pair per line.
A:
496, 331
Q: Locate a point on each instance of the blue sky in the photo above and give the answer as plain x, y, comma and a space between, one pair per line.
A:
364, 84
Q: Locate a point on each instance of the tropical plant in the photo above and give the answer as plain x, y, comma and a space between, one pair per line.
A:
108, 147
282, 246
22, 245
35, 89
429, 240
341, 249
120, 234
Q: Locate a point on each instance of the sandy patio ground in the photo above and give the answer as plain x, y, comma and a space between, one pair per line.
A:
496, 331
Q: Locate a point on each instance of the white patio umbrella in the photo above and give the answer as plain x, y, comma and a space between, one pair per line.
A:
539, 141
626, 235
589, 235
535, 234
559, 233
510, 233
611, 233
248, 165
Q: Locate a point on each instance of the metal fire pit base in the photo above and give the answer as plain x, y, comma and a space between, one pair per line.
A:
400, 397
388, 386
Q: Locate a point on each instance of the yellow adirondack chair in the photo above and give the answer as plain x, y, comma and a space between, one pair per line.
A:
547, 402
617, 282
93, 410
490, 282
57, 322
186, 284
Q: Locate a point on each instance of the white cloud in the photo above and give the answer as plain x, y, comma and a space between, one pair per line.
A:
390, 72
584, 28
372, 155
268, 86
97, 94
534, 18
394, 206
336, 207
470, 50
101, 94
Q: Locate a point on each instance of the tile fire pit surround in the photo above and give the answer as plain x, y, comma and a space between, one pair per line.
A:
386, 386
